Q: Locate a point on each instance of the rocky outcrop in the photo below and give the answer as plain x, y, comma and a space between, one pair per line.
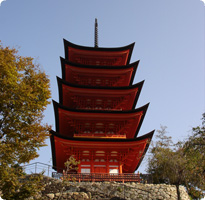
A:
57, 189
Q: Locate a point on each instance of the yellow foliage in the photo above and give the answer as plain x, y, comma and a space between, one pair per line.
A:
24, 95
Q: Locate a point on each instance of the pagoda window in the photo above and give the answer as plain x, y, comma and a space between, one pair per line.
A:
113, 169
88, 107
111, 125
98, 81
89, 81
99, 153
111, 129
113, 160
87, 125
99, 125
85, 160
85, 153
99, 101
110, 133
95, 80
88, 101
86, 132
109, 102
85, 170
100, 160
113, 153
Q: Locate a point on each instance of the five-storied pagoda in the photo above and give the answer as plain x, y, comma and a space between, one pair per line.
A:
96, 119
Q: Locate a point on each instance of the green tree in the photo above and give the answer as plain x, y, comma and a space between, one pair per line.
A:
166, 164
24, 94
194, 151
179, 164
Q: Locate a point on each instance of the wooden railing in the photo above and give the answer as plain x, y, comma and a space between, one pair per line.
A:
98, 177
38, 167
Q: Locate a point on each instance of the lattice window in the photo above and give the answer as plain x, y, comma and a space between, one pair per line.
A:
101, 60
96, 80
101, 129
82, 102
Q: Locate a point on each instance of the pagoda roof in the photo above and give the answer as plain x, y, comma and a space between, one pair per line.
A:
122, 75
116, 56
71, 121
132, 150
69, 94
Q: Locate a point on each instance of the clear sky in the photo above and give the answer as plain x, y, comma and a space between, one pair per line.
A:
169, 41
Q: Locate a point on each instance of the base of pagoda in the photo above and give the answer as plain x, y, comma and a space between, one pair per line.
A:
98, 177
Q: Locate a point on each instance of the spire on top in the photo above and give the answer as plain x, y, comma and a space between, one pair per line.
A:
96, 32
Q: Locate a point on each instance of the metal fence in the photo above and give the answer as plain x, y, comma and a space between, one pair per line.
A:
38, 167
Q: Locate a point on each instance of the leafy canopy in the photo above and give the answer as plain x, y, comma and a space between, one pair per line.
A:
24, 95
182, 163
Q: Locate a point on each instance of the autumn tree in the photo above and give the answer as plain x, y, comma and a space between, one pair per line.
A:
71, 167
181, 163
24, 95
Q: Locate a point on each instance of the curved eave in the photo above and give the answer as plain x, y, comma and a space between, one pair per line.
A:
146, 148
129, 47
128, 70
98, 143
137, 86
65, 61
113, 113
116, 69
142, 108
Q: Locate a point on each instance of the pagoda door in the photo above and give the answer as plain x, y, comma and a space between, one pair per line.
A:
99, 169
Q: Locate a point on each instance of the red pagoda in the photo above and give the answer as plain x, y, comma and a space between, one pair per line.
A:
96, 119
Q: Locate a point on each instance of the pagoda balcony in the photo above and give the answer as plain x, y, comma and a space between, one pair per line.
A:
98, 177
72, 121
99, 108
99, 134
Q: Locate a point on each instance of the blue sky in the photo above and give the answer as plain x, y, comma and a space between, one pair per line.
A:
169, 41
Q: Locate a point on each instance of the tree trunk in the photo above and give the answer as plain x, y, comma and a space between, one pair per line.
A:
178, 192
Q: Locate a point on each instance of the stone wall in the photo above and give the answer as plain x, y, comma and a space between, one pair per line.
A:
56, 190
